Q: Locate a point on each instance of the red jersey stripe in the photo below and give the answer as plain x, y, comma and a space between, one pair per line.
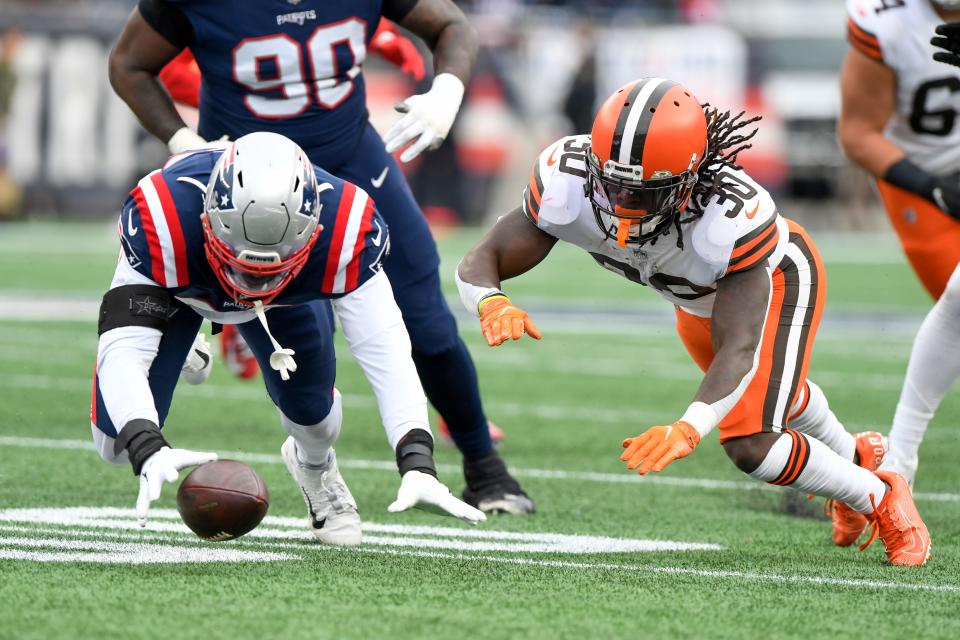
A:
153, 241
366, 226
336, 240
176, 232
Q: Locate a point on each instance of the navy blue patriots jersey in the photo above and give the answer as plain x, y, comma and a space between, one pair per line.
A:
162, 237
293, 68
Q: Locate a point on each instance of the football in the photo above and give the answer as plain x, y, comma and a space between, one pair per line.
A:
222, 500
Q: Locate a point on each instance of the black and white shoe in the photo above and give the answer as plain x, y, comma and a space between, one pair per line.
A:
492, 489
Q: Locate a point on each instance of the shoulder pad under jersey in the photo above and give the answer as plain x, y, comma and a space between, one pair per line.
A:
554, 193
738, 229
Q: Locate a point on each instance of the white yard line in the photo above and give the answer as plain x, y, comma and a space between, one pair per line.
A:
521, 472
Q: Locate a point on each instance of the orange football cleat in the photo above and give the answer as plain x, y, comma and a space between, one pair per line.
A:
236, 354
847, 523
496, 433
899, 525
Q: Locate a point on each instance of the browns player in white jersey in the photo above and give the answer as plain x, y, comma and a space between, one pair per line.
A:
899, 121
654, 194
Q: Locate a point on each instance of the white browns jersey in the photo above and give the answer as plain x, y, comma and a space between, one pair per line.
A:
897, 33
736, 232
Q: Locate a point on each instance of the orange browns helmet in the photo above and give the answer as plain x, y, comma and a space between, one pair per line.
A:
648, 141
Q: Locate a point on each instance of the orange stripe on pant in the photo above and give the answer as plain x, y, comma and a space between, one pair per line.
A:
747, 416
930, 238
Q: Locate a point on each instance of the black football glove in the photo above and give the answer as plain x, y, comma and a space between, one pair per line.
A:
946, 194
948, 39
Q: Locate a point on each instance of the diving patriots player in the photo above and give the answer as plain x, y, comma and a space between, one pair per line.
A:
654, 195
295, 69
251, 235
899, 122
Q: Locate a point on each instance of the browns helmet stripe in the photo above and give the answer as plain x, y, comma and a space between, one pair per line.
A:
638, 120
622, 117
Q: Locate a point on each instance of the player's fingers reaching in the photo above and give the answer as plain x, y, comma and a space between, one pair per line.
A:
460, 509
391, 140
187, 458
651, 457
516, 328
427, 140
643, 454
632, 445
405, 134
423, 491
143, 501
531, 328
673, 453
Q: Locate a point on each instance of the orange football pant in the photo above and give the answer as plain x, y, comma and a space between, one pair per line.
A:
798, 293
930, 238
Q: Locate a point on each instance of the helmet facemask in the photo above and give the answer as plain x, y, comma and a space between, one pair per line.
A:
632, 210
261, 217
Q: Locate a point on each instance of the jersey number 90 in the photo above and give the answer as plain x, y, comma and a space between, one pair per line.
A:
326, 84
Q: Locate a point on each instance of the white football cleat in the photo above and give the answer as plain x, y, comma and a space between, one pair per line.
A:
197, 366
332, 511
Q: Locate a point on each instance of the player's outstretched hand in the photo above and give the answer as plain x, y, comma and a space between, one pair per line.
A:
501, 321
164, 466
428, 118
423, 491
947, 38
658, 446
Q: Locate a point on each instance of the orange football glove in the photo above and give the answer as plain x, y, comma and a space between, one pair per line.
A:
658, 446
500, 321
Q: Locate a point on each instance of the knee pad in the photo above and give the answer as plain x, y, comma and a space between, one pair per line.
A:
325, 429
104, 446
305, 407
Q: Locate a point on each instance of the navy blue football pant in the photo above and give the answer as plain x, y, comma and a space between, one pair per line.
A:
443, 363
306, 398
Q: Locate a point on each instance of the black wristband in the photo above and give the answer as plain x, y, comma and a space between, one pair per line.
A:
415, 453
906, 175
141, 439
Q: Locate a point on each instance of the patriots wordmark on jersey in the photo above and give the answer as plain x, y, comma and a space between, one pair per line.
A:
290, 68
163, 239
897, 34
740, 228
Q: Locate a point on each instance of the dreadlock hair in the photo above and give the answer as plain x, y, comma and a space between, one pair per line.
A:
726, 138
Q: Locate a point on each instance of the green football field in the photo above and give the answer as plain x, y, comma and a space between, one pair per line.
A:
700, 551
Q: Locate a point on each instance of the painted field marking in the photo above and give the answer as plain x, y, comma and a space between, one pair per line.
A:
288, 528
521, 472
70, 545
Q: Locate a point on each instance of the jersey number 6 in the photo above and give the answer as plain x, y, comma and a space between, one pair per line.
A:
326, 84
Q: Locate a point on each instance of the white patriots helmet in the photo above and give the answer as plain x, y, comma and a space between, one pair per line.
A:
261, 216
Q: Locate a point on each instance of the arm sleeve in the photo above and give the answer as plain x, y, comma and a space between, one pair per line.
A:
124, 356
167, 20
397, 10
379, 341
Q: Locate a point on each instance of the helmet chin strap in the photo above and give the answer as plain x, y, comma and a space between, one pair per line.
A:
281, 359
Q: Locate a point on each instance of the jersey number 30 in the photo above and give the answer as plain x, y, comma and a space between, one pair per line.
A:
326, 84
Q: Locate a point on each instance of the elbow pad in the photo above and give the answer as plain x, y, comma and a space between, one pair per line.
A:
136, 305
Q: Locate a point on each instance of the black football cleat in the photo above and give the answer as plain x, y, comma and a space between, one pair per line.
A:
492, 489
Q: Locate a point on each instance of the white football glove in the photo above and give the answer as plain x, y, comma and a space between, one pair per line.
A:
186, 139
429, 117
164, 466
423, 491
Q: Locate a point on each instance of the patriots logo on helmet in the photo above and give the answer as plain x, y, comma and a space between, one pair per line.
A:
222, 199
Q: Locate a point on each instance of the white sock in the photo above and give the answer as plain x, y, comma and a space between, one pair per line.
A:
315, 441
817, 420
807, 464
934, 367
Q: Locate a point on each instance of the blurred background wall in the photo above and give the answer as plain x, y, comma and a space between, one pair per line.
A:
70, 148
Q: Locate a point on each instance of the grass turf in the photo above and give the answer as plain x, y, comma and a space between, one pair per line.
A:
565, 403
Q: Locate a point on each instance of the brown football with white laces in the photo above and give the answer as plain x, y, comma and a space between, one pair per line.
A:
222, 500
